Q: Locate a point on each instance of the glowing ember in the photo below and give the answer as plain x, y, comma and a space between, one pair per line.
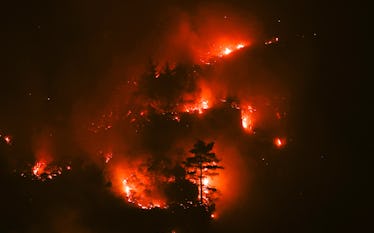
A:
108, 157
8, 139
279, 142
272, 41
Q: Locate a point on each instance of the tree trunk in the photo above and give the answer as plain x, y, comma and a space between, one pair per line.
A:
201, 182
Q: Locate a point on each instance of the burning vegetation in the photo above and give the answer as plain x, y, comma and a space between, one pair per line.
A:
141, 139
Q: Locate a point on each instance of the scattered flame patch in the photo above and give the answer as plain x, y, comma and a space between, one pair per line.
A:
108, 156
42, 170
272, 41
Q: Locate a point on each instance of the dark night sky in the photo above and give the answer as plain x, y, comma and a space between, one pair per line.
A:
62, 50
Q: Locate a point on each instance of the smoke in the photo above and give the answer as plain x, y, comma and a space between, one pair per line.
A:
138, 104
156, 114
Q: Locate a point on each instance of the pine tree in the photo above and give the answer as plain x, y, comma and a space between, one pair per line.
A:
202, 164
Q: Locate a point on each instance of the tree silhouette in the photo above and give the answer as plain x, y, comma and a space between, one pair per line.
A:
181, 191
203, 164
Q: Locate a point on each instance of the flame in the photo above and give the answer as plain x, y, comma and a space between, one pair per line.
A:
43, 170
200, 106
205, 181
108, 156
272, 41
227, 51
247, 118
222, 49
38, 168
279, 142
240, 46
8, 139
203, 102
137, 186
230, 48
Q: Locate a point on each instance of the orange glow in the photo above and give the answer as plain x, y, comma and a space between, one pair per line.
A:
279, 142
222, 49
42, 170
38, 168
203, 101
138, 187
240, 46
108, 157
230, 48
227, 51
205, 181
247, 118
8, 139
272, 41
199, 107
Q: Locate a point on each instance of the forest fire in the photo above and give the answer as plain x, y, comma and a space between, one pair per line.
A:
186, 128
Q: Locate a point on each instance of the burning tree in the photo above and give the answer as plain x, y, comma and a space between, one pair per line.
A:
201, 167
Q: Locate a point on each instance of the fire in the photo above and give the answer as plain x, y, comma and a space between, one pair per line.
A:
199, 107
272, 41
240, 46
127, 189
38, 168
199, 103
205, 181
227, 51
247, 118
138, 186
8, 139
279, 142
223, 49
108, 156
42, 170
135, 193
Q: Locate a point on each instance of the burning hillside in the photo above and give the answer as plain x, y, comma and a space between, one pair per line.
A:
177, 135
